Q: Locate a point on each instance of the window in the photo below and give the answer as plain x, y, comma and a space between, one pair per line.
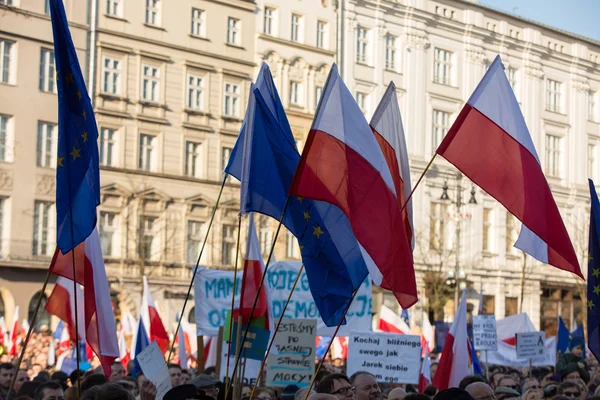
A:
592, 106
510, 306
151, 83
362, 99
47, 71
318, 93
296, 93
228, 249
147, 239
269, 21
291, 248
511, 234
198, 23
114, 8
265, 236
489, 304
233, 31
46, 7
46, 145
437, 226
6, 2
153, 12
5, 138
225, 154
440, 126
6, 61
553, 156
194, 241
322, 34
195, 100
107, 147
111, 75
108, 233
193, 159
442, 67
232, 100
42, 213
487, 230
553, 95
362, 44
390, 52
592, 168
296, 28
147, 153
511, 74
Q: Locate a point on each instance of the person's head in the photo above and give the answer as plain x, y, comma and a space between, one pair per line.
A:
337, 385
183, 392
36, 369
453, 394
42, 376
397, 394
321, 375
117, 371
109, 391
506, 393
495, 378
212, 371
533, 394
576, 345
7, 371
322, 396
50, 390
480, 391
22, 377
508, 381
60, 377
207, 384
433, 369
365, 386
264, 393
301, 394
93, 380
73, 376
186, 377
531, 384
467, 380
417, 396
570, 389
175, 373
28, 389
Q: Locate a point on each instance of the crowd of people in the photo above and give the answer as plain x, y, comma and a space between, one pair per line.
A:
574, 377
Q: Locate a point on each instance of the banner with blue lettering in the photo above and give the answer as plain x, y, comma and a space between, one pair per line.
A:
213, 290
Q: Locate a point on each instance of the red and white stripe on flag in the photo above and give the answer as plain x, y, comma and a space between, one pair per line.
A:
391, 322
61, 303
155, 328
425, 375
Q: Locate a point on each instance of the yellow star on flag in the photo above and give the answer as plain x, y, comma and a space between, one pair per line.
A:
597, 289
59, 161
75, 153
300, 199
84, 136
69, 78
306, 215
596, 272
301, 248
83, 115
591, 304
317, 231
79, 94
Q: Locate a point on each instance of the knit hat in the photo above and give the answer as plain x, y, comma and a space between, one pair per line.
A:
182, 392
576, 341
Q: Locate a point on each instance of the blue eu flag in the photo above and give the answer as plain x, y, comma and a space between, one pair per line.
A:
77, 170
564, 337
593, 286
264, 159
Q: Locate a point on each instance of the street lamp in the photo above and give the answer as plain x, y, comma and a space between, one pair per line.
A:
458, 203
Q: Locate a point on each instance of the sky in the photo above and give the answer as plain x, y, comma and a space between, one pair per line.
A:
578, 16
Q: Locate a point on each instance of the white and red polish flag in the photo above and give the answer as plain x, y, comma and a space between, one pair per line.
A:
455, 362
489, 142
391, 322
64, 343
191, 340
24, 328
425, 375
155, 329
61, 303
426, 335
339, 348
210, 351
99, 318
128, 324
182, 348
3, 332
15, 340
342, 164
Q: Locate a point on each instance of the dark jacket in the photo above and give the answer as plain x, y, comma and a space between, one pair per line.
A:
569, 362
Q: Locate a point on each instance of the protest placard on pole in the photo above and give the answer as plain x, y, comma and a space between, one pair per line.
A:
530, 345
292, 362
484, 332
390, 357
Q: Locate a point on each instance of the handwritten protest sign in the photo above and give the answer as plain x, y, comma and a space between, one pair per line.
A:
213, 290
390, 357
484, 332
530, 344
293, 361
155, 369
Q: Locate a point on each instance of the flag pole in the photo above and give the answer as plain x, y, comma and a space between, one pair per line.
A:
312, 382
418, 181
29, 332
235, 270
212, 217
262, 281
264, 361
76, 313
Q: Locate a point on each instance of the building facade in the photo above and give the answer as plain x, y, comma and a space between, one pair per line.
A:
170, 84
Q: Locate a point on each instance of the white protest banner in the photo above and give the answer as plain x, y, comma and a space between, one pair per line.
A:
155, 369
507, 355
293, 361
484, 332
530, 344
250, 372
389, 356
213, 289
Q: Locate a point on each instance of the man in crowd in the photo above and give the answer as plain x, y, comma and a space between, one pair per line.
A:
117, 371
480, 391
337, 385
7, 371
366, 386
175, 373
208, 385
22, 377
50, 390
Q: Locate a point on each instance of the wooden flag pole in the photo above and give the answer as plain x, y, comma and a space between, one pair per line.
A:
201, 358
238, 352
212, 217
219, 352
312, 382
29, 332
235, 271
262, 281
264, 361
